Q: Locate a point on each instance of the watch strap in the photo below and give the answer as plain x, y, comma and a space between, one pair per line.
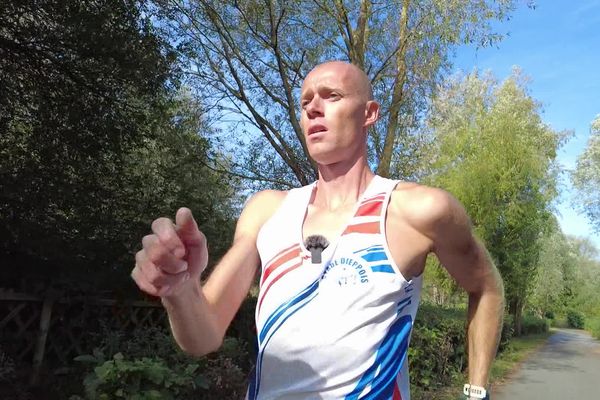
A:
476, 392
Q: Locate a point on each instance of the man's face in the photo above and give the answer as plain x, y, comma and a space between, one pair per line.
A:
334, 113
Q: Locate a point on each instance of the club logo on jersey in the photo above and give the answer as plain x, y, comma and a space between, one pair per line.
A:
346, 271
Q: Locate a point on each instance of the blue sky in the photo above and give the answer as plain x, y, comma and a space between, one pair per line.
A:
557, 45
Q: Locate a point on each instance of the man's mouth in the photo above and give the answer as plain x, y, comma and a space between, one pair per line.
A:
316, 129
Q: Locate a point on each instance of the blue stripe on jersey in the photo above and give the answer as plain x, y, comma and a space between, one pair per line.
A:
375, 247
375, 256
300, 300
405, 301
401, 307
283, 308
251, 393
381, 375
383, 268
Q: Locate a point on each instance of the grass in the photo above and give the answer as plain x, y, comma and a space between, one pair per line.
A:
592, 325
505, 363
517, 351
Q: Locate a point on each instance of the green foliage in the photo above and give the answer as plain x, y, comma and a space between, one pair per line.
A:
7, 367
149, 363
243, 328
494, 153
593, 325
575, 319
532, 325
259, 52
508, 332
96, 141
437, 353
140, 379
555, 265
586, 177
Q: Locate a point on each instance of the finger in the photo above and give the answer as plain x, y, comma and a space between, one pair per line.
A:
152, 279
187, 228
165, 230
195, 241
159, 255
140, 281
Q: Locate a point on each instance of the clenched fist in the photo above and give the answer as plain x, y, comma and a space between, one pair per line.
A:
172, 257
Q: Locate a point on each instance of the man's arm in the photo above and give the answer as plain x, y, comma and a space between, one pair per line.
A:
200, 314
468, 262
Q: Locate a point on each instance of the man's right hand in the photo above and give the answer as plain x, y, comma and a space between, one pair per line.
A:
172, 257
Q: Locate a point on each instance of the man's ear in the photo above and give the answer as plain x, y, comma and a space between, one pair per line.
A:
371, 113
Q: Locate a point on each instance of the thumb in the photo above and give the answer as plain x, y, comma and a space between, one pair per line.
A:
193, 240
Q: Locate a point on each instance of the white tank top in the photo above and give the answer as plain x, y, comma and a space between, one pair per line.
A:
339, 329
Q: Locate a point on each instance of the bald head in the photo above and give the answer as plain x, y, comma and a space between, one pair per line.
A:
352, 76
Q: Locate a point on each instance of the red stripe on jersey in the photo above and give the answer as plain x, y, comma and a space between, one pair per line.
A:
369, 209
397, 395
366, 227
264, 292
280, 253
378, 196
280, 259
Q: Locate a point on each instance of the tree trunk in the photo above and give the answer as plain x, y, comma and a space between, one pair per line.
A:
385, 161
516, 310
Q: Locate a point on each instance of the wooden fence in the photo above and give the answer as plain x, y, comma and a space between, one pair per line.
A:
51, 330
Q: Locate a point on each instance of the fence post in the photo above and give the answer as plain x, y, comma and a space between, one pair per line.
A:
40, 347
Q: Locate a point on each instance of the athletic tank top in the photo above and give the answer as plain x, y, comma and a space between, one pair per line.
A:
339, 329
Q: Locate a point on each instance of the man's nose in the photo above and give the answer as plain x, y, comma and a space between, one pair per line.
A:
314, 108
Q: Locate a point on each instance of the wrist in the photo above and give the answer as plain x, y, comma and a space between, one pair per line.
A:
187, 293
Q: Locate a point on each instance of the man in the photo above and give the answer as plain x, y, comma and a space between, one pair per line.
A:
336, 324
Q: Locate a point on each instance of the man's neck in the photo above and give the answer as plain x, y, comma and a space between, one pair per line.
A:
340, 185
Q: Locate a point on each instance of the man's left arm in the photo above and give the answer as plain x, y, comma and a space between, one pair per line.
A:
469, 263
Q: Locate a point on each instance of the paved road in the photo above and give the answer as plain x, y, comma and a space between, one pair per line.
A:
566, 367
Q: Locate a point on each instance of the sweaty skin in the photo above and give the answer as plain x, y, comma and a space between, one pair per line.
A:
337, 110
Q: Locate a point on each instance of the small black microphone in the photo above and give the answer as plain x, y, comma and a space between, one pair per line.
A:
316, 244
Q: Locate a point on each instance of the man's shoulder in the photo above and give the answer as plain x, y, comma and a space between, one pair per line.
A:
422, 206
265, 200
258, 209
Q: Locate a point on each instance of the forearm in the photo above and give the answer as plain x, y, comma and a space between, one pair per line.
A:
200, 316
193, 321
485, 313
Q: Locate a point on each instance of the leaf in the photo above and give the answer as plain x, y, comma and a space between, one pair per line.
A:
86, 358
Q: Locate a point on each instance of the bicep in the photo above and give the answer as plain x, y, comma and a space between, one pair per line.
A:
230, 281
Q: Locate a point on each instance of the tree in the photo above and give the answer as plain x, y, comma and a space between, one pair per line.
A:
554, 264
583, 278
494, 153
586, 177
249, 59
95, 139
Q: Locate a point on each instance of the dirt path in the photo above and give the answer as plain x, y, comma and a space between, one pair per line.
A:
566, 367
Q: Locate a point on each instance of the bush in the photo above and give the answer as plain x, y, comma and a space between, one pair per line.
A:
243, 328
575, 319
531, 325
437, 352
7, 367
149, 365
140, 379
593, 325
508, 331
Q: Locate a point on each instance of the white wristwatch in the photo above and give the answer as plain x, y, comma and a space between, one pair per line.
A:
473, 391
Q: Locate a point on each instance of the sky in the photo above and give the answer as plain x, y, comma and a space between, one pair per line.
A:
557, 45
